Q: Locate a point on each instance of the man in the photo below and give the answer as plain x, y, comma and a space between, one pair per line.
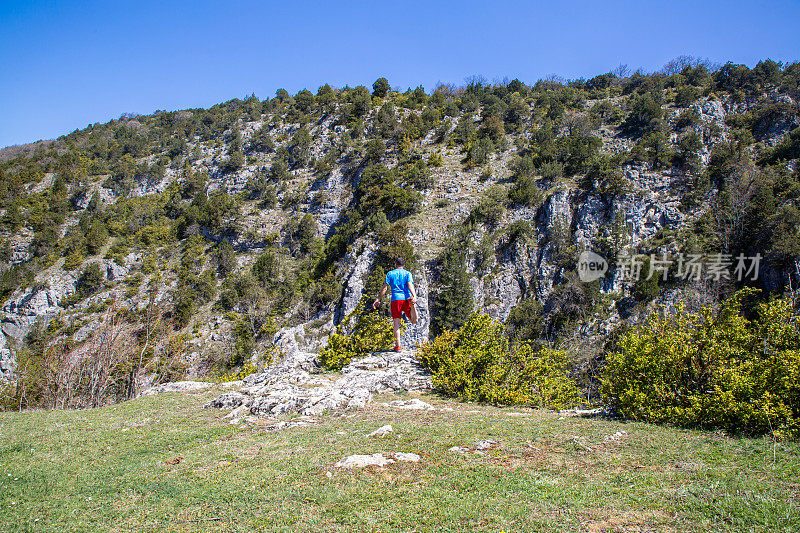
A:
401, 283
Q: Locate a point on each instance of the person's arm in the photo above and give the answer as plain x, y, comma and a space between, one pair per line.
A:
412, 291
377, 301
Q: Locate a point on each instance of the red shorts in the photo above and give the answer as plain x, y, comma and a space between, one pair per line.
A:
399, 307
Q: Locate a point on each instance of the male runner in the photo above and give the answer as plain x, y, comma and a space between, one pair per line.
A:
401, 283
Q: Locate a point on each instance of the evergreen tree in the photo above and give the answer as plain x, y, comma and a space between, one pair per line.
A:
380, 88
453, 302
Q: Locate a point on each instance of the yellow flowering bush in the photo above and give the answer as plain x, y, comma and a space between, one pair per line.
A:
477, 363
359, 334
712, 370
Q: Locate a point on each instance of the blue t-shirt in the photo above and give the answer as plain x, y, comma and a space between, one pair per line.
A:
397, 280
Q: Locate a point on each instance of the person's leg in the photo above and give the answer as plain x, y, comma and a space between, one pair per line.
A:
397, 322
412, 313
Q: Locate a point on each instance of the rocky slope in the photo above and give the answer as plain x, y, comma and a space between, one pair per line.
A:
651, 209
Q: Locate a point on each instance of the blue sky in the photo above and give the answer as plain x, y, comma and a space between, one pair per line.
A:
67, 64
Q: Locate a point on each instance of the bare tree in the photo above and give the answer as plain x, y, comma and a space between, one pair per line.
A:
621, 71
675, 66
730, 206
109, 355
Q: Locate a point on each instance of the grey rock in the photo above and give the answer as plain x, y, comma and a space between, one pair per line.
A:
590, 218
376, 459
289, 388
487, 444
362, 461
115, 272
40, 301
381, 431
413, 405
356, 274
405, 456
616, 436
106, 197
284, 424
558, 209
8, 361
177, 386
228, 400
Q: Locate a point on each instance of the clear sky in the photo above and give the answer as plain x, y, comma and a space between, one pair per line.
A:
66, 64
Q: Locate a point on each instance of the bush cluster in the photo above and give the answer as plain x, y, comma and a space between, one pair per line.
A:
477, 363
712, 369
362, 332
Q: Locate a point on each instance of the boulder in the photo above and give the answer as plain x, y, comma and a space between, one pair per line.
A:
381, 431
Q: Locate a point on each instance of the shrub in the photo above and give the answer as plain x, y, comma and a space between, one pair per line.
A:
645, 116
377, 191
688, 154
654, 148
90, 280
551, 170
686, 95
712, 370
526, 192
360, 101
525, 320
235, 161
73, 261
304, 100
266, 268
243, 346
184, 307
262, 141
491, 207
381, 87
225, 258
149, 264
361, 333
416, 175
519, 231
687, 118
479, 152
646, 288
476, 363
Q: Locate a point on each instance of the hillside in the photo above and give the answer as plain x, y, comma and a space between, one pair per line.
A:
217, 242
162, 463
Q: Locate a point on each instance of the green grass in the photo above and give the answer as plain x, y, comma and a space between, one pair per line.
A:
106, 470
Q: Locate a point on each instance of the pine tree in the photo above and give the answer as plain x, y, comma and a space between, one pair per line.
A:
381, 87
453, 303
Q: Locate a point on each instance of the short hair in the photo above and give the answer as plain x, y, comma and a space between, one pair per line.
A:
399, 262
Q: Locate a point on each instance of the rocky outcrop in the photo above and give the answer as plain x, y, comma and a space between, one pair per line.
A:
357, 268
41, 300
294, 386
570, 218
115, 272
82, 200
8, 362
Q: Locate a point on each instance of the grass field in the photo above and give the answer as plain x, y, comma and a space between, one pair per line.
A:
163, 463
